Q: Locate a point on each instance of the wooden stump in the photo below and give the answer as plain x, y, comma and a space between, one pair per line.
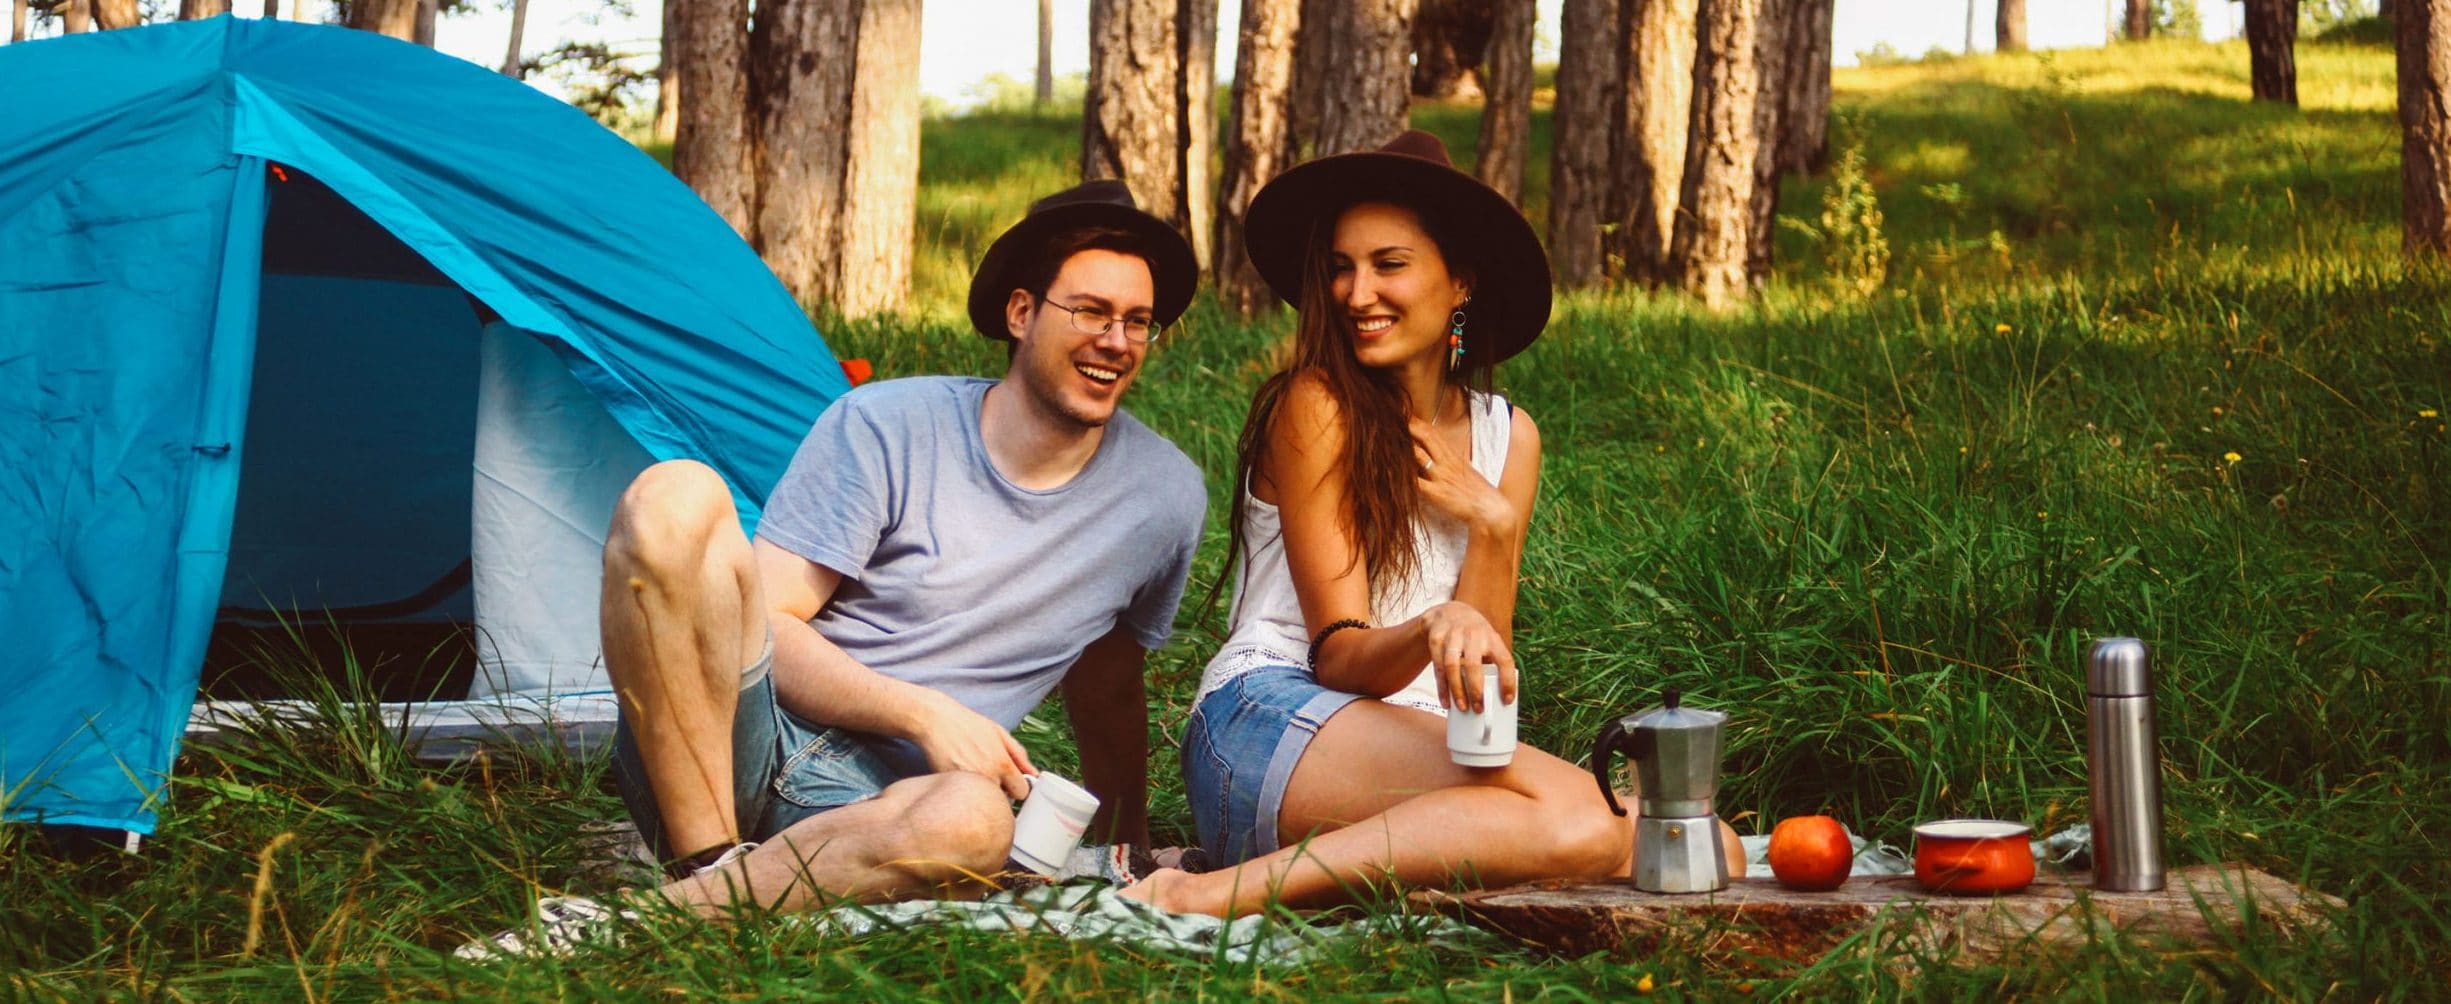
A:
1755, 920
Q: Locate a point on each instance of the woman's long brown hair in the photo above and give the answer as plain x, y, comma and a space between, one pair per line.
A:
1383, 504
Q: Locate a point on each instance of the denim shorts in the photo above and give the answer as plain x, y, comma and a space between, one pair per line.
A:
784, 769
1239, 752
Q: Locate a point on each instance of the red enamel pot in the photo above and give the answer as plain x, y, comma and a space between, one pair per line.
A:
1973, 857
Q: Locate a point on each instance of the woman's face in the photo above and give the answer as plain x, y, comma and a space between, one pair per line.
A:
1394, 286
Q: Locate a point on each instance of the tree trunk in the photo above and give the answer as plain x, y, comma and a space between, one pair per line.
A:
396, 18
804, 60
272, 10
871, 267
1806, 147
426, 12
2384, 9
1506, 104
196, 10
109, 14
512, 66
2139, 24
668, 78
1709, 251
1969, 48
709, 53
1584, 127
1044, 91
2424, 31
1132, 123
76, 16
833, 85
1150, 118
1313, 47
1449, 38
1198, 19
17, 21
1365, 101
1771, 53
2009, 31
2272, 39
1259, 144
1648, 168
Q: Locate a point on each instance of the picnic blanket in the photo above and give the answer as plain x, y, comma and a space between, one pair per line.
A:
1093, 910
1084, 904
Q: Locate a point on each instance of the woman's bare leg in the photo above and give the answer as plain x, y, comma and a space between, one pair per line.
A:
1378, 798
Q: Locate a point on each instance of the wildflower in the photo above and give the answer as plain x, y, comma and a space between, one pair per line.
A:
2216, 411
2002, 328
2042, 514
2232, 457
2427, 413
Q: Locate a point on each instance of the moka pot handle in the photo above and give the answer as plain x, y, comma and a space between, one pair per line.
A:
1636, 744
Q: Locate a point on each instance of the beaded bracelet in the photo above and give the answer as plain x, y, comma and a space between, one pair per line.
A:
1322, 638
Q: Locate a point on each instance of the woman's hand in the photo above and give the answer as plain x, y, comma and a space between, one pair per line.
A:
1461, 641
1450, 485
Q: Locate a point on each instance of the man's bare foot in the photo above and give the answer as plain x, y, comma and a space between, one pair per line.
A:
1162, 889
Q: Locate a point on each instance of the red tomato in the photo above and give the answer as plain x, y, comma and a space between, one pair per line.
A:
1811, 853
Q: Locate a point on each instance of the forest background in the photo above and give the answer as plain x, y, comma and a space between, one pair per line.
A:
2049, 346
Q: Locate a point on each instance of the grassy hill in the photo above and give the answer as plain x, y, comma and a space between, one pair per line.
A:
2147, 361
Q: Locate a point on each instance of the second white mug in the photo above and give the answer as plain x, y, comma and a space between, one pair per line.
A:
1484, 738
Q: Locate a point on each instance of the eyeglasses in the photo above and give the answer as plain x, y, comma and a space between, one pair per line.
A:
1095, 321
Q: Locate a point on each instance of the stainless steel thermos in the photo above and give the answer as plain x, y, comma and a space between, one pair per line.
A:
2123, 755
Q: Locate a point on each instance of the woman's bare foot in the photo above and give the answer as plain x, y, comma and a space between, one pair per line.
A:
1162, 889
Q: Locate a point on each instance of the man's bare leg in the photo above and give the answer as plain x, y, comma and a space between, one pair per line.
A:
938, 835
682, 615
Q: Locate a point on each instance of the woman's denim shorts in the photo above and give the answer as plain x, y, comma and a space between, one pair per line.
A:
1240, 751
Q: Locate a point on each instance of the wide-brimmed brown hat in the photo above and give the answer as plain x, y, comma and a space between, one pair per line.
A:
1172, 268
1510, 295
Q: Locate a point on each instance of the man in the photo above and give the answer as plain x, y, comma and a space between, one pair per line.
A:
826, 710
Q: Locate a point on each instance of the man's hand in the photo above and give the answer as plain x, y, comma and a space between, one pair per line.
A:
957, 738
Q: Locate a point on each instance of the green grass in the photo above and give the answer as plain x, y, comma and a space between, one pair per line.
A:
1877, 531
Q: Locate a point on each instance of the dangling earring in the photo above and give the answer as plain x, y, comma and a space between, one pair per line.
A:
1455, 337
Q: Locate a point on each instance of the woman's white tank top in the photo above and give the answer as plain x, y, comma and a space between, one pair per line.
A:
1267, 621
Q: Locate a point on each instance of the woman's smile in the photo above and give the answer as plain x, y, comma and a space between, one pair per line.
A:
1394, 284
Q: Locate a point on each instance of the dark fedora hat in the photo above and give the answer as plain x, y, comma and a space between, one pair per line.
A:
1510, 295
1172, 268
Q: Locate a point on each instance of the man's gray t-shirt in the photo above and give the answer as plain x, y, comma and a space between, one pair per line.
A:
960, 581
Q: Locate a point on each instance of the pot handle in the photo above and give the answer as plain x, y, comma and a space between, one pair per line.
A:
1611, 736
1957, 862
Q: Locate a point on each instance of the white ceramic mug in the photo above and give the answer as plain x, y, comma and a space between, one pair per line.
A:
1484, 738
1050, 823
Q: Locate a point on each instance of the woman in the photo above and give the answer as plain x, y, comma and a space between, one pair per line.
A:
1379, 526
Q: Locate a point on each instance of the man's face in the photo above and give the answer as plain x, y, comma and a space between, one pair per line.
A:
1069, 374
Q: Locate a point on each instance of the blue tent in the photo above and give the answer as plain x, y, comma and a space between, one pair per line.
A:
297, 317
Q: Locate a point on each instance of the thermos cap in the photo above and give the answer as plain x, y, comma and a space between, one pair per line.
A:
2117, 667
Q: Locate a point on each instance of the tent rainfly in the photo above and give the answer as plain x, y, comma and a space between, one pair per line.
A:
303, 318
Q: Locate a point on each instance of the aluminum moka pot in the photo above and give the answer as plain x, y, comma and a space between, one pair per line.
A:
1675, 750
